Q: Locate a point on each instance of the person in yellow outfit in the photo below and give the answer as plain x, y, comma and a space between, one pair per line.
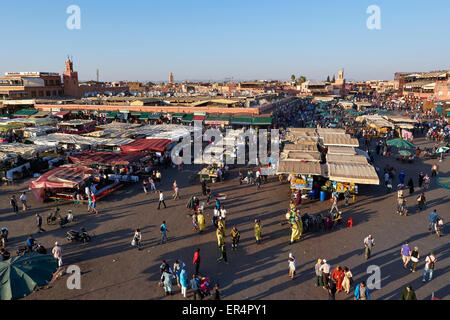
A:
221, 224
201, 221
296, 230
220, 237
258, 231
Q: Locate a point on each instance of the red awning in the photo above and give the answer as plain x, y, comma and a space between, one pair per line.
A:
105, 158
201, 118
158, 145
66, 176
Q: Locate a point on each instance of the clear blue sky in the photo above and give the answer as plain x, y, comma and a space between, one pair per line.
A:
212, 39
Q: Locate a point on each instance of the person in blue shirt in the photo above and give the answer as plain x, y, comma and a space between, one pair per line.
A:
362, 292
30, 243
433, 220
164, 230
401, 177
218, 204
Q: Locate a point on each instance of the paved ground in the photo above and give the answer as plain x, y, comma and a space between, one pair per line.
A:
112, 269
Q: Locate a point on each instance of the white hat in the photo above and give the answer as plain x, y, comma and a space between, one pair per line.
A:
290, 255
324, 261
56, 243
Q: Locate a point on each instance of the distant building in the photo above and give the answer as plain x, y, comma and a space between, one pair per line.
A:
75, 89
30, 85
424, 85
171, 78
314, 87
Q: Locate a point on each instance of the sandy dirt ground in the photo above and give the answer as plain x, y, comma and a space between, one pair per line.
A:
113, 269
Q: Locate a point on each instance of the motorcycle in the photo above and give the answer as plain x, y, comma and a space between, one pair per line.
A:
438, 227
63, 221
22, 250
81, 235
51, 219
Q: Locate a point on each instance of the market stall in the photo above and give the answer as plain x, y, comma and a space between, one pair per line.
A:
159, 145
76, 126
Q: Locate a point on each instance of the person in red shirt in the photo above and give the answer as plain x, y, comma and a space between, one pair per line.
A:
338, 276
94, 203
196, 260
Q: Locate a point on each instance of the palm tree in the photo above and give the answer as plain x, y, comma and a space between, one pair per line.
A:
334, 79
328, 79
292, 78
301, 79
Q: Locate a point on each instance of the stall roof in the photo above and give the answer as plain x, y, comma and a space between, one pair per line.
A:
54, 139
62, 113
242, 120
40, 114
76, 122
187, 118
353, 173
212, 119
298, 167
154, 115
399, 119
327, 131
11, 126
25, 112
65, 176
105, 158
178, 115
344, 158
111, 115
198, 118
144, 116
262, 121
36, 121
341, 150
303, 156
159, 145
339, 140
300, 148
24, 150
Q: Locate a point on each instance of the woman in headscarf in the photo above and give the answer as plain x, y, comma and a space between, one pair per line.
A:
346, 283
166, 279
201, 221
338, 276
296, 230
258, 231
184, 282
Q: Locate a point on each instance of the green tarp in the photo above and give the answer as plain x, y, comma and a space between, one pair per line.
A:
144, 116
262, 121
134, 114
20, 275
178, 115
187, 118
111, 115
154, 115
25, 112
243, 120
